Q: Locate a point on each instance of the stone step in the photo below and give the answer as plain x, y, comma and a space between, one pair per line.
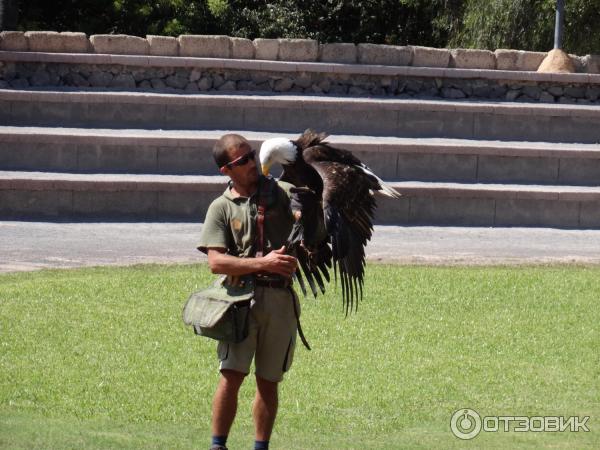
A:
294, 113
392, 158
36, 195
47, 195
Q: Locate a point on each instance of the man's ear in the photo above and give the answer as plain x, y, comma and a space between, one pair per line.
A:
223, 170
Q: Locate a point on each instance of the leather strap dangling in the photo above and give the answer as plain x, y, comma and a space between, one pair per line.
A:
260, 220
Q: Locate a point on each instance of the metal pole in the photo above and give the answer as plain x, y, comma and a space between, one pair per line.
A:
558, 26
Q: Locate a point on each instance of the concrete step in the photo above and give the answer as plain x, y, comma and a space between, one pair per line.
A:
392, 158
294, 113
34, 195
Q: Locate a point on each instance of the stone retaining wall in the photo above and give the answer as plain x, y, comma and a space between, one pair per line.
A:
299, 50
251, 76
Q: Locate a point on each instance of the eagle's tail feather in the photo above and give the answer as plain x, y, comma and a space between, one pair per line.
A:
318, 279
298, 276
308, 275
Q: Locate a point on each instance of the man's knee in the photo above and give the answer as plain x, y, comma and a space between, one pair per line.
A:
232, 378
265, 386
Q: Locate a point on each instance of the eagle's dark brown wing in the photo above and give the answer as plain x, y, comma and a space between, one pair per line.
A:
348, 208
336, 196
308, 239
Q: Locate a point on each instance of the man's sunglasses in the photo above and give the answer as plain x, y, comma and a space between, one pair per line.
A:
241, 161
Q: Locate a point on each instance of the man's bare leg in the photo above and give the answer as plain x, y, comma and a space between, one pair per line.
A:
225, 401
264, 408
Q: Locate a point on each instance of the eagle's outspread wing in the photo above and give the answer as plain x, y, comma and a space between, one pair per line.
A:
348, 208
335, 192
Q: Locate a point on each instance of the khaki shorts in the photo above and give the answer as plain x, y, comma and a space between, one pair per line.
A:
271, 336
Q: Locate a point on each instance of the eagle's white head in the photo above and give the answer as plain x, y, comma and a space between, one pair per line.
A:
276, 150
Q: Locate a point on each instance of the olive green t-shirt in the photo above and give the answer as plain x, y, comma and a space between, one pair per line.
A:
230, 222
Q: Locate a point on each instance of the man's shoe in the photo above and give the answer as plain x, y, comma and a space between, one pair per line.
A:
218, 447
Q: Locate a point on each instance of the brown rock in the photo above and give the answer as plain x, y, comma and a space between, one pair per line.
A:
75, 42
518, 60
473, 59
344, 53
592, 63
242, 48
430, 57
51, 41
305, 50
530, 61
388, 55
266, 49
14, 41
557, 61
119, 44
205, 46
163, 45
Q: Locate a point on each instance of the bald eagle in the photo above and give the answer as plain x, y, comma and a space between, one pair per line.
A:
333, 202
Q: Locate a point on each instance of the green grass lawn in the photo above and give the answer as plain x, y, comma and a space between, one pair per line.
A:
99, 358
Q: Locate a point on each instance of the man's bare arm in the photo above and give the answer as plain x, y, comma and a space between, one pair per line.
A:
275, 262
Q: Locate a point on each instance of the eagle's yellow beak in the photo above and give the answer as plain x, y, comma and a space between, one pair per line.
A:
265, 169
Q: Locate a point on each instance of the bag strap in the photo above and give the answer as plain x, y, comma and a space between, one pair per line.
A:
300, 332
263, 195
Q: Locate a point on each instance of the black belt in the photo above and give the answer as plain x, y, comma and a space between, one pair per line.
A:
272, 282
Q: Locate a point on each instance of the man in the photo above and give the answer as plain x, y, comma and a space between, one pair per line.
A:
229, 237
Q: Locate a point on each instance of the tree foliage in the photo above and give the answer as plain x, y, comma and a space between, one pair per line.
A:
375, 21
528, 24
491, 24
135, 17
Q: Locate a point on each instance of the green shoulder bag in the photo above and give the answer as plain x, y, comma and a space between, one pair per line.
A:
221, 312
